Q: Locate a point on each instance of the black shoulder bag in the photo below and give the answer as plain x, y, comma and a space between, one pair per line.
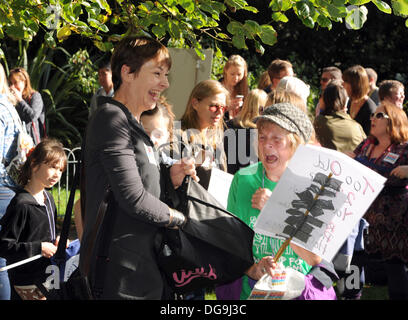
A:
214, 247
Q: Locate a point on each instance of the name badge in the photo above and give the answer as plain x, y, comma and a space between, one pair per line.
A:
150, 154
391, 157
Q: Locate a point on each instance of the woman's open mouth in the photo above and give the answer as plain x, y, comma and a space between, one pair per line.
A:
271, 158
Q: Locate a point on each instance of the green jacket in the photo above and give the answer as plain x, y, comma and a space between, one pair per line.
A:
338, 131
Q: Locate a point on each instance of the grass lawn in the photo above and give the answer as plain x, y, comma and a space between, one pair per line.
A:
61, 200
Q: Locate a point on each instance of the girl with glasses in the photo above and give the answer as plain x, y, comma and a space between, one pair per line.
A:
202, 127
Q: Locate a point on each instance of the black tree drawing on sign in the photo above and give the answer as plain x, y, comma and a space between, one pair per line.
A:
304, 213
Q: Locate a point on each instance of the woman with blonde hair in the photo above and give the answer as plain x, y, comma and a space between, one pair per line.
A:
202, 127
235, 79
240, 132
30, 105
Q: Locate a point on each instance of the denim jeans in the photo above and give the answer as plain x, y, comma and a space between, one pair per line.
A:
6, 194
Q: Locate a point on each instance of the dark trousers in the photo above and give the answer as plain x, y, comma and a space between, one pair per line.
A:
376, 271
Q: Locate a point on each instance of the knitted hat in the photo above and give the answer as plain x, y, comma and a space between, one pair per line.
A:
290, 118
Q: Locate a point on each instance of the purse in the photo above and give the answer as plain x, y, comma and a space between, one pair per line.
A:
213, 247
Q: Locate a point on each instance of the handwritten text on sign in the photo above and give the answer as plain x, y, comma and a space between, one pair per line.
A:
335, 205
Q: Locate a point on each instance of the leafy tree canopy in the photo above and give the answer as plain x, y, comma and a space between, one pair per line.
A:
180, 22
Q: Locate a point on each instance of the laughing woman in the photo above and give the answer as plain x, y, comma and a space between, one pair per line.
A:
120, 155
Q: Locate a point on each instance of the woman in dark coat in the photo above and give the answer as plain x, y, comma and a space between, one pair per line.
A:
119, 154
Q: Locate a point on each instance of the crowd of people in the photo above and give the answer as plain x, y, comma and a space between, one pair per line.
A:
134, 149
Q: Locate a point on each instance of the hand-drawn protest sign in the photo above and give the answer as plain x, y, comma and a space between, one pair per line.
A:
335, 191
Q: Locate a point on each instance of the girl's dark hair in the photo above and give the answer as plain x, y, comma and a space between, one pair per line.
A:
334, 97
48, 151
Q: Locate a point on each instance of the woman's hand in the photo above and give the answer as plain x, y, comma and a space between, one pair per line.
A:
48, 249
235, 106
260, 197
18, 94
182, 168
400, 172
266, 265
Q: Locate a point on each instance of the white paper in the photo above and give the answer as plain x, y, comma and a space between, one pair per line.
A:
220, 182
359, 186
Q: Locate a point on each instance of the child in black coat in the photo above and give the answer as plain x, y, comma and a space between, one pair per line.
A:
28, 226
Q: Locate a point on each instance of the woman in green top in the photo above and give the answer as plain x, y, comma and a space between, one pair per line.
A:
281, 129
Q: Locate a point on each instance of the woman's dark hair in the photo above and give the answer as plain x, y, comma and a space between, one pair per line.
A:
334, 97
357, 77
134, 52
48, 151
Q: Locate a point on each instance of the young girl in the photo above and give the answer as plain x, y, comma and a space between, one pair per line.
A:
235, 80
28, 226
158, 124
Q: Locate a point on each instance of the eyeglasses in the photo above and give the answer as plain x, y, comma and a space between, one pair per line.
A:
379, 115
324, 79
215, 108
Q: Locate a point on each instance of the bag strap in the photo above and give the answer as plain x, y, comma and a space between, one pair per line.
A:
60, 254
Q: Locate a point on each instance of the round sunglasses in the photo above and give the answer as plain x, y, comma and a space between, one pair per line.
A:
215, 108
379, 115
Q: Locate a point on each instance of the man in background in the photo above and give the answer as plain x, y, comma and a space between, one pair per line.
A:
105, 80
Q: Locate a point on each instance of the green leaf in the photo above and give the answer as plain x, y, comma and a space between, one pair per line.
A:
251, 9
279, 16
336, 12
406, 23
188, 5
324, 22
159, 31
268, 35
382, 6
15, 31
308, 22
280, 5
358, 2
303, 10
400, 7
234, 27
174, 30
356, 18
252, 26
63, 32
238, 41
239, 4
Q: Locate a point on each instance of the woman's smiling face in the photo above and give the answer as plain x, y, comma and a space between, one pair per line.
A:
147, 85
274, 149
